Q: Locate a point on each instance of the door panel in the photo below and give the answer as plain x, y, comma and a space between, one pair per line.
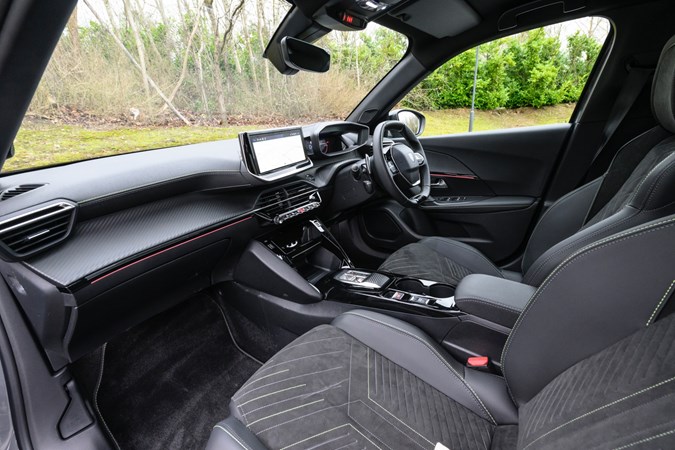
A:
486, 188
516, 161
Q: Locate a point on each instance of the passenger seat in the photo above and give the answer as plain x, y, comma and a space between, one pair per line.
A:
596, 370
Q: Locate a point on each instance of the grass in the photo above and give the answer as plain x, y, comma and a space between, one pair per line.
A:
457, 120
41, 144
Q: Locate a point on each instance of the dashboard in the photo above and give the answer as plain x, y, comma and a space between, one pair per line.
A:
97, 246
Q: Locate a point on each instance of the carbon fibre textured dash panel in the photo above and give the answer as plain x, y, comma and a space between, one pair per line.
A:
105, 241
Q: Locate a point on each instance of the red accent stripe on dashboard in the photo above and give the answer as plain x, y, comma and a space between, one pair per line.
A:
152, 255
454, 175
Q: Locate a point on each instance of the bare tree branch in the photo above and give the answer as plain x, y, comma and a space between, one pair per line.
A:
136, 64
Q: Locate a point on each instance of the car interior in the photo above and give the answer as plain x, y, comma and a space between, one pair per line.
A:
353, 284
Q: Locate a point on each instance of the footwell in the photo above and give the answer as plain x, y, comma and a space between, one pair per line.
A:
168, 381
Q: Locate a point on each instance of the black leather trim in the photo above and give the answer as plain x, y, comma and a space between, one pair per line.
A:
593, 297
492, 389
230, 434
663, 89
560, 221
413, 350
495, 299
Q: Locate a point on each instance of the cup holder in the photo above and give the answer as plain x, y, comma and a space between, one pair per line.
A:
413, 286
437, 290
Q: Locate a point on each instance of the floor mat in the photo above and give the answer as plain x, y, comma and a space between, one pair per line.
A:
168, 381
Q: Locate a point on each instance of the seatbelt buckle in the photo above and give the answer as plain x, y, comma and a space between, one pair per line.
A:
478, 363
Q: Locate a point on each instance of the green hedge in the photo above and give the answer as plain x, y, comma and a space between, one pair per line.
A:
530, 69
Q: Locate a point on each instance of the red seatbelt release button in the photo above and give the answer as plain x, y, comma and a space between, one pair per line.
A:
478, 361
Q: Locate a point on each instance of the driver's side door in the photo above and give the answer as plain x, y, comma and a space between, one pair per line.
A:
487, 185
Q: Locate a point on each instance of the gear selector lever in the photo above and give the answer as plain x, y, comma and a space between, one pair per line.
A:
333, 245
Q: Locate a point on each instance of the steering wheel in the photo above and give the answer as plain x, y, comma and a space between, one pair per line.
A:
400, 167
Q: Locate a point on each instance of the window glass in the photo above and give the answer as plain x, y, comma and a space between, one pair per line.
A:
131, 75
531, 78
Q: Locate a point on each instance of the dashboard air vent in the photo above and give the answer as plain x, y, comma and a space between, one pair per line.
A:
273, 203
18, 190
37, 230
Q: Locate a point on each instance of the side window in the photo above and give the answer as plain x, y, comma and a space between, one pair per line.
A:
531, 78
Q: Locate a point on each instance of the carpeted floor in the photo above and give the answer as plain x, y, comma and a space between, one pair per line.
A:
168, 381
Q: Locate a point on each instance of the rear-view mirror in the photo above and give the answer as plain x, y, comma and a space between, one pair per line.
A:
301, 55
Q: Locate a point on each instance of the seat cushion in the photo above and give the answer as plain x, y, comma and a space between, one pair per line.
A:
439, 259
329, 388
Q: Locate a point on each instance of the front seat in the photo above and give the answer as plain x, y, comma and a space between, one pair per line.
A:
648, 193
594, 371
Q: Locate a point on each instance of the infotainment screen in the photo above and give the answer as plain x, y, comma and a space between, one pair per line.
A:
276, 149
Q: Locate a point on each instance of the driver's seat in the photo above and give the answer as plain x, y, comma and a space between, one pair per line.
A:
638, 187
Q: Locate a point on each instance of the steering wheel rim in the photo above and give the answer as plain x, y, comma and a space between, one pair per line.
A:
407, 180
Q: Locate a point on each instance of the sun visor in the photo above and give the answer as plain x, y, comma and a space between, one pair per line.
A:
439, 18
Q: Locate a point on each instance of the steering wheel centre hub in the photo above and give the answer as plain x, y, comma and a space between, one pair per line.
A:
409, 167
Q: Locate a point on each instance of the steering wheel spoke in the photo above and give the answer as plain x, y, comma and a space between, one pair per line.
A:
421, 160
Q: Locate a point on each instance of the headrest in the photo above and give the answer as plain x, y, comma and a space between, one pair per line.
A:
663, 90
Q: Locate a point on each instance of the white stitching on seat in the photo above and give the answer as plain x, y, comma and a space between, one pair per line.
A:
615, 402
658, 306
648, 439
271, 393
611, 240
233, 437
286, 411
328, 431
285, 379
389, 412
435, 353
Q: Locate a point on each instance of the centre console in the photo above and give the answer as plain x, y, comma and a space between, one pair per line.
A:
310, 250
389, 292
299, 276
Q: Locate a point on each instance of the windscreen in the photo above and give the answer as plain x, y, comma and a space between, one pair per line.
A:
277, 149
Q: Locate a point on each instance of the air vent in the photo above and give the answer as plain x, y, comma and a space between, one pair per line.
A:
37, 230
271, 204
18, 190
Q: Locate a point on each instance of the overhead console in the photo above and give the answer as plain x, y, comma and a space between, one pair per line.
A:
274, 154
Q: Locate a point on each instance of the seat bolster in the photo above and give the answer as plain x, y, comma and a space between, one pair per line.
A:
658, 187
230, 434
561, 220
495, 394
414, 351
462, 254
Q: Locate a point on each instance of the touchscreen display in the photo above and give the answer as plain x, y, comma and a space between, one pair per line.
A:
277, 149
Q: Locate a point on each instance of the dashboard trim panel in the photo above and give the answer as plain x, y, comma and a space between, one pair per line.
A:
167, 249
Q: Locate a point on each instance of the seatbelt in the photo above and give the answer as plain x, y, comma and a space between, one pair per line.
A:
632, 87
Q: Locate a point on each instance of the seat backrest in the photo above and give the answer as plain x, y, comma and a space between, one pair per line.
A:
648, 193
621, 397
597, 296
